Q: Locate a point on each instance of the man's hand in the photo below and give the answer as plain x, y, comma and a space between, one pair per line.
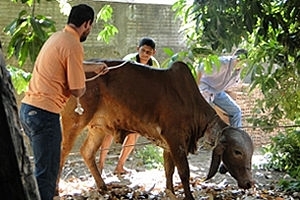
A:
101, 68
96, 67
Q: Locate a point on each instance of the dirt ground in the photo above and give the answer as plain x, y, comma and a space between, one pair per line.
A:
140, 183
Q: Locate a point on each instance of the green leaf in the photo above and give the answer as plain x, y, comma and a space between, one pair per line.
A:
109, 30
37, 28
107, 33
168, 51
9, 29
105, 13
20, 78
23, 53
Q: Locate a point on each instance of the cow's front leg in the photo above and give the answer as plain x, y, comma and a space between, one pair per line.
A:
169, 170
88, 151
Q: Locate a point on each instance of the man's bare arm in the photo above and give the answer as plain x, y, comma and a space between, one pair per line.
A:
78, 92
98, 68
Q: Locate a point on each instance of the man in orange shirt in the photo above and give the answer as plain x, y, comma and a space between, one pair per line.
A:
58, 73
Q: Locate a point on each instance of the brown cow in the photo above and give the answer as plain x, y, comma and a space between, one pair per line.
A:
163, 105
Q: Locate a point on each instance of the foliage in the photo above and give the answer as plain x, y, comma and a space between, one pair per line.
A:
268, 29
151, 156
293, 185
194, 53
283, 155
183, 56
20, 78
29, 32
29, 2
109, 30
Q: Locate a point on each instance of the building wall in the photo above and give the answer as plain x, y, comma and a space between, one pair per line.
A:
134, 20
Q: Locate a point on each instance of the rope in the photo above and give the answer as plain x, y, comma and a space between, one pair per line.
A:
118, 148
111, 67
79, 110
265, 127
136, 144
260, 127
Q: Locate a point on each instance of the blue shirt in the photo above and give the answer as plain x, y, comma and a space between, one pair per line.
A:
224, 77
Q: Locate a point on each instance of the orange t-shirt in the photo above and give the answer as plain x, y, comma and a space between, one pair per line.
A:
57, 70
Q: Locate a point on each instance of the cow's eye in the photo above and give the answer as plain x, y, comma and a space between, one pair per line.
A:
237, 152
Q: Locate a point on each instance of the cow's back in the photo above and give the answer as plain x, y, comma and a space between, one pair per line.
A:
144, 90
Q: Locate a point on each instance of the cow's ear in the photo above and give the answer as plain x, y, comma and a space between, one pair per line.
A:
215, 161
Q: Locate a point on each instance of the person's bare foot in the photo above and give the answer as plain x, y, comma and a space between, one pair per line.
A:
121, 171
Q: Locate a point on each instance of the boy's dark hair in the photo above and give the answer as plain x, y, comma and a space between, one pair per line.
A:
81, 13
147, 41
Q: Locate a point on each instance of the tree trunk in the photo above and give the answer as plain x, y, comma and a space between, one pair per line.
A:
17, 181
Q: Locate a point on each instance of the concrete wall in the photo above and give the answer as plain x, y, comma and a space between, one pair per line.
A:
134, 20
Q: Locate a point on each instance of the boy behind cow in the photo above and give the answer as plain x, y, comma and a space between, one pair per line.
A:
144, 55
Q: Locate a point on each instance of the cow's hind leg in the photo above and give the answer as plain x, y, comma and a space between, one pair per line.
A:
88, 151
69, 136
169, 170
180, 160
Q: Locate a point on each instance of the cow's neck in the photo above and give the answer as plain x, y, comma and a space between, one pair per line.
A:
213, 130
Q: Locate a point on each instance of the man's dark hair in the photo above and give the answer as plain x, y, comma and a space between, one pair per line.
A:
240, 52
81, 13
147, 41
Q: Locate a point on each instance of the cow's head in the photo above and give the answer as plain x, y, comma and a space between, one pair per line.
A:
235, 149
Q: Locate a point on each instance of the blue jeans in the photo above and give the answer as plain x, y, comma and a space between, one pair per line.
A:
224, 101
44, 131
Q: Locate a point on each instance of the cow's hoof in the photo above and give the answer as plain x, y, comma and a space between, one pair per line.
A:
103, 190
56, 193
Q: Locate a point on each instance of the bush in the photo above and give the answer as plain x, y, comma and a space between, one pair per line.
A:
151, 156
19, 77
283, 154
